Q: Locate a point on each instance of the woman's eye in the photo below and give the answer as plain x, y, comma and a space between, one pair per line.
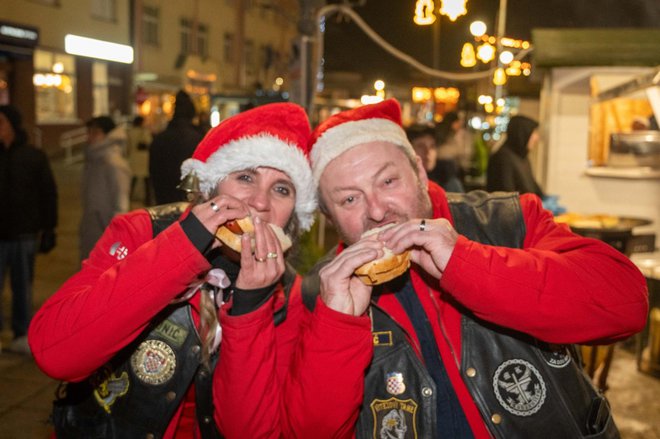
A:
283, 190
244, 177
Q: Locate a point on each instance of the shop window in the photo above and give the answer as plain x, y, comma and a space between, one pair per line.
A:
104, 9
151, 25
100, 88
55, 87
228, 48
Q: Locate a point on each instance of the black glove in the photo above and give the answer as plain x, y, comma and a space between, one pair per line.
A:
48, 241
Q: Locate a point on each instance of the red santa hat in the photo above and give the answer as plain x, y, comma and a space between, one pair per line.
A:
343, 131
272, 135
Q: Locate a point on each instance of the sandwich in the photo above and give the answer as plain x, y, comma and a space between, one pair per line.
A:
385, 268
231, 232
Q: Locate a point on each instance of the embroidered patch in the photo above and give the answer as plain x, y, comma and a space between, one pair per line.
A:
118, 250
172, 332
110, 390
154, 362
382, 338
394, 418
519, 387
394, 383
556, 355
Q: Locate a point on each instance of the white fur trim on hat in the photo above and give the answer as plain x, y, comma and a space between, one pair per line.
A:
259, 151
342, 137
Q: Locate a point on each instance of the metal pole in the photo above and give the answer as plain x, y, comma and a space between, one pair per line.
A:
501, 29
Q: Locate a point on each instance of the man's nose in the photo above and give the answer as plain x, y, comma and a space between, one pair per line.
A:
376, 207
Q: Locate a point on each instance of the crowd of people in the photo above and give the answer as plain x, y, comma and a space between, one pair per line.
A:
168, 331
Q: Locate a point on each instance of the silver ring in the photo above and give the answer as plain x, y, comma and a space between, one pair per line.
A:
259, 259
422, 225
271, 255
215, 207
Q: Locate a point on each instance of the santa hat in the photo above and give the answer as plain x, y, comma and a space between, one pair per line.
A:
343, 131
272, 135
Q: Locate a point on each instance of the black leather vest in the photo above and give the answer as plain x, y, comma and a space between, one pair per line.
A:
136, 394
523, 387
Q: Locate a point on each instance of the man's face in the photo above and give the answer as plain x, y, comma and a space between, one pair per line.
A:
268, 192
425, 147
371, 185
6, 131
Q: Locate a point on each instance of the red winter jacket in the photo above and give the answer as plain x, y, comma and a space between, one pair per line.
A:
560, 288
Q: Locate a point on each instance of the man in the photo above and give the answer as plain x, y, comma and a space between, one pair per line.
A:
170, 148
106, 180
28, 196
472, 341
135, 333
444, 172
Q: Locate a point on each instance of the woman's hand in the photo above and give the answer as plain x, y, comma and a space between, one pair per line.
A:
265, 265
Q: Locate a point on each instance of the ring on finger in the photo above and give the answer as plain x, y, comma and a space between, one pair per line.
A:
422, 225
271, 255
259, 259
215, 207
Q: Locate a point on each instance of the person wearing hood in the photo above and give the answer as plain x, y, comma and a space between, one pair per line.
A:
509, 168
170, 148
28, 195
106, 180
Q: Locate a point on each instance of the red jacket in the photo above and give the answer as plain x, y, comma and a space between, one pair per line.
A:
560, 288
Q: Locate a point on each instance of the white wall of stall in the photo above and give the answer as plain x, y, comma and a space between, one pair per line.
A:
565, 102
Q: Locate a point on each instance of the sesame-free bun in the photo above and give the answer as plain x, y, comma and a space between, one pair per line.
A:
385, 268
230, 234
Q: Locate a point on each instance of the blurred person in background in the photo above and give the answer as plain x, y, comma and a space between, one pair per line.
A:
139, 139
170, 148
161, 307
452, 142
28, 196
509, 168
106, 180
442, 171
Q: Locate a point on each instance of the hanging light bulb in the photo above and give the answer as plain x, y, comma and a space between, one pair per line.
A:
424, 12
453, 8
499, 77
468, 58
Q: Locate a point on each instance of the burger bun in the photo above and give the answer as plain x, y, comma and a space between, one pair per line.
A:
230, 234
385, 268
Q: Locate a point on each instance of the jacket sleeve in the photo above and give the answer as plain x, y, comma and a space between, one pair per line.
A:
323, 393
560, 287
128, 278
254, 359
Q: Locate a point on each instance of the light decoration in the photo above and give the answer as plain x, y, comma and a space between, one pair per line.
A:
499, 76
453, 8
449, 95
506, 57
424, 12
478, 28
468, 58
486, 52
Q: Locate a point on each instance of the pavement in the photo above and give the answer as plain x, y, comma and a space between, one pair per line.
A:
26, 394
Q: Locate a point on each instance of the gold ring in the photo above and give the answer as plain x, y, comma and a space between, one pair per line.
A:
271, 255
259, 259
422, 225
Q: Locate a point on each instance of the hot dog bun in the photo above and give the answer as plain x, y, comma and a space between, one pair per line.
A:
231, 232
385, 268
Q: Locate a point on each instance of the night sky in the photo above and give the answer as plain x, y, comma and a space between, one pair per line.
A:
348, 48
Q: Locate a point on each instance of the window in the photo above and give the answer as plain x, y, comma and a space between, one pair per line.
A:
202, 40
100, 88
55, 87
249, 57
228, 48
151, 25
104, 9
186, 36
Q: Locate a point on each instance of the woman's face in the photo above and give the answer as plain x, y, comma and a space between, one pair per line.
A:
533, 140
269, 193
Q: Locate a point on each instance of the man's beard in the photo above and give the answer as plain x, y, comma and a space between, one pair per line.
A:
421, 209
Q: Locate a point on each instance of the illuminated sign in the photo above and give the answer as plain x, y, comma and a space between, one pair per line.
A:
19, 35
76, 45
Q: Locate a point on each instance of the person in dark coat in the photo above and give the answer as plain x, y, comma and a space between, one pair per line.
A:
28, 196
170, 148
509, 168
444, 172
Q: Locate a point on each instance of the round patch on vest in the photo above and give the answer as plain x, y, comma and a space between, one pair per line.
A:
154, 362
519, 387
556, 355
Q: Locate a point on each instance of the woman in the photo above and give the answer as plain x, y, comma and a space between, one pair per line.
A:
509, 168
136, 330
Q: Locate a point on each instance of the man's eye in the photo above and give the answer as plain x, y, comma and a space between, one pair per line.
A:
348, 200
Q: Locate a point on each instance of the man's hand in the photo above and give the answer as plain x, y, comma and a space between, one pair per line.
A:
431, 242
340, 289
48, 241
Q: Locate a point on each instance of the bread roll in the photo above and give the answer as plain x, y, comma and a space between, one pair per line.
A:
385, 268
230, 234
